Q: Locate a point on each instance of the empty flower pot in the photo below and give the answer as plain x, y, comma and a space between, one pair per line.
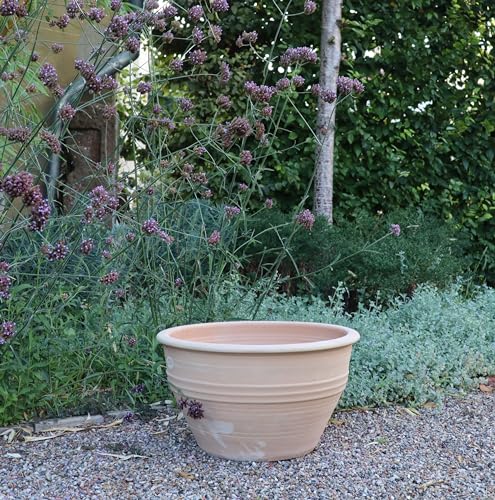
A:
258, 390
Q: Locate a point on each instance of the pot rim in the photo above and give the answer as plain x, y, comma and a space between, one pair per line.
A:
348, 338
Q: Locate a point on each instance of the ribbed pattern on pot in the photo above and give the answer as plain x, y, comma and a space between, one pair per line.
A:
259, 406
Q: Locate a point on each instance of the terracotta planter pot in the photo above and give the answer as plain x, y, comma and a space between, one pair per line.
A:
266, 389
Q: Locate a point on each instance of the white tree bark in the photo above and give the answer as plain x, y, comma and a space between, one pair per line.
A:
325, 123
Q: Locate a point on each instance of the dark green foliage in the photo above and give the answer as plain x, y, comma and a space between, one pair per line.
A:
427, 251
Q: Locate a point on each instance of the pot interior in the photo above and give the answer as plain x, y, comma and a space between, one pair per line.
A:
258, 333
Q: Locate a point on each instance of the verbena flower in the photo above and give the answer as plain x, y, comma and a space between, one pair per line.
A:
132, 44
225, 73
40, 214
283, 83
246, 157
214, 238
231, 212
306, 219
198, 35
51, 140
269, 203
224, 101
247, 38
5, 284
298, 55
395, 229
59, 251
150, 226
7, 331
110, 278
347, 85
260, 93
144, 87
48, 75
185, 104
197, 57
195, 409
243, 186
216, 32
96, 14
67, 112
56, 48
176, 65
86, 246
195, 13
17, 184
220, 5
309, 7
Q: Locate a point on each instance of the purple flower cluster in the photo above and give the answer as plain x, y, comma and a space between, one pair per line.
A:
216, 32
298, 55
269, 203
132, 44
59, 251
214, 238
86, 246
306, 219
260, 93
94, 82
224, 101
52, 141
67, 112
169, 11
48, 75
16, 134
220, 5
115, 5
395, 229
309, 7
74, 8
5, 283
325, 95
231, 212
7, 331
110, 278
164, 236
118, 28
168, 36
198, 36
96, 14
246, 157
101, 203
225, 73
240, 126
108, 112
150, 226
195, 13
283, 83
12, 7
176, 65
185, 104
62, 22
195, 409
298, 81
144, 87
247, 38
197, 57
56, 48
17, 184
243, 186
347, 85
21, 184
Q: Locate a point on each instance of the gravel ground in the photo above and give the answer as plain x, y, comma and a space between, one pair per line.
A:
446, 452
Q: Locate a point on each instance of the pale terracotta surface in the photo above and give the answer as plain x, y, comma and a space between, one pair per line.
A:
267, 388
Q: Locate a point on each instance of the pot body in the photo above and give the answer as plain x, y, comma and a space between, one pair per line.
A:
266, 389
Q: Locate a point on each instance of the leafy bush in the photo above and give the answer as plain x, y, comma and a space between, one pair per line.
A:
427, 251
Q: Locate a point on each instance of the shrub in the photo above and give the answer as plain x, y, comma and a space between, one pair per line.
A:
427, 251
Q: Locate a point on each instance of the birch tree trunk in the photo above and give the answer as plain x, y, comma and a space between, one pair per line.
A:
325, 123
